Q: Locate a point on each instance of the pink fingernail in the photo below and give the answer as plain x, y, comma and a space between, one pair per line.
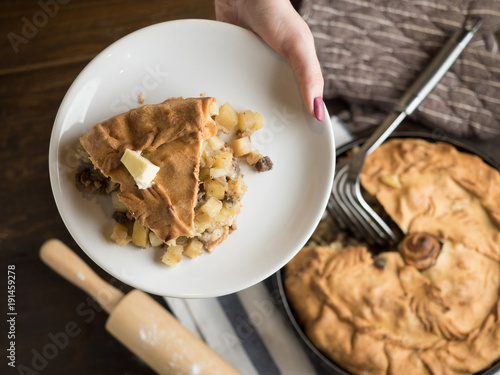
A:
319, 108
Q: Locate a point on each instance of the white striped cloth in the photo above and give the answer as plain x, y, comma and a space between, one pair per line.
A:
248, 329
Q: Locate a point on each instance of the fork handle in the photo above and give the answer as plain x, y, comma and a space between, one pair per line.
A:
425, 83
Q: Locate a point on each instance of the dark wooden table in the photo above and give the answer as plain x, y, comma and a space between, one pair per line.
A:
45, 44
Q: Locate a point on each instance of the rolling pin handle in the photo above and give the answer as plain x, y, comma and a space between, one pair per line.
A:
67, 264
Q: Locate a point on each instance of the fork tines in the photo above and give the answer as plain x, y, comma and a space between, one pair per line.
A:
352, 213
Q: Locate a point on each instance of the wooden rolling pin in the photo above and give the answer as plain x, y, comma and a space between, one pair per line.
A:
138, 321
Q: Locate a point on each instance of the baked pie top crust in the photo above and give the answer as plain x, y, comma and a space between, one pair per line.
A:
170, 135
444, 192
395, 318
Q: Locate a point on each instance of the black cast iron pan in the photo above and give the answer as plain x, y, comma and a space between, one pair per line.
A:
325, 365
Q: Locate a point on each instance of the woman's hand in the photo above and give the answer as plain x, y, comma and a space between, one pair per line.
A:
277, 22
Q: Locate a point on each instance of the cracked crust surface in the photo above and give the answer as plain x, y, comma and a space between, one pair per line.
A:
170, 135
396, 319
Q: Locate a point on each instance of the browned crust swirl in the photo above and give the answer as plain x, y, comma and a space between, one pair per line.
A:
420, 249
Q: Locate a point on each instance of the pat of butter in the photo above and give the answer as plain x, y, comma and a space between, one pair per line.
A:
143, 171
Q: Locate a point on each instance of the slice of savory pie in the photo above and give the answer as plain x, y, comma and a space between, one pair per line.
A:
194, 194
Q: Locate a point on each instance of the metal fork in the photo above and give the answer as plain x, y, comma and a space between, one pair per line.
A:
347, 205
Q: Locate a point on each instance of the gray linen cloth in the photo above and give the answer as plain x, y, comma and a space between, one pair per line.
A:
371, 51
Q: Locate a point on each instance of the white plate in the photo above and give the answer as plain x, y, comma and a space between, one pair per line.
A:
187, 58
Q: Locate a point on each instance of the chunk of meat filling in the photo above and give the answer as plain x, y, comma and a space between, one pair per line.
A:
264, 164
91, 180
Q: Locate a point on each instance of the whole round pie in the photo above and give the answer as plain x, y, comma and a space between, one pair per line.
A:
429, 307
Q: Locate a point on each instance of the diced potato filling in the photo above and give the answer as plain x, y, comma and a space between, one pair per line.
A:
223, 160
259, 121
215, 189
173, 255
120, 234
237, 188
246, 120
221, 188
242, 146
194, 248
218, 172
202, 222
154, 240
227, 117
253, 157
216, 143
204, 174
211, 207
140, 235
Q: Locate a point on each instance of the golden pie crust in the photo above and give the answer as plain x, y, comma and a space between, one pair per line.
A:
170, 135
397, 319
444, 192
